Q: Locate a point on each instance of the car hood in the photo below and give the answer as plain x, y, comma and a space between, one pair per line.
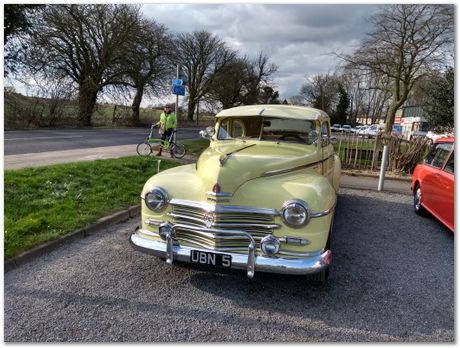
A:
231, 165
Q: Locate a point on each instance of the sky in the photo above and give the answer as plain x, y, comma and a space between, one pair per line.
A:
298, 38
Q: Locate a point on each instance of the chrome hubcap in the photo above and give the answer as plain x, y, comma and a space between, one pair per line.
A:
418, 198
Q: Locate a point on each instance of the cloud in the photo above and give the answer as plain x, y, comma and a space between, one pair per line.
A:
299, 38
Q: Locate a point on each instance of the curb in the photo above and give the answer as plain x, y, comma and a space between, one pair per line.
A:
386, 190
100, 224
369, 175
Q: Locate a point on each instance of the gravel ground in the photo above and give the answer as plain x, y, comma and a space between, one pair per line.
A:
392, 281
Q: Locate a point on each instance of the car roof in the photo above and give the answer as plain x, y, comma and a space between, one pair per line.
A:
271, 110
445, 140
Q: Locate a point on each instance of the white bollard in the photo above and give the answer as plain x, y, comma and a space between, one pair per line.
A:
383, 167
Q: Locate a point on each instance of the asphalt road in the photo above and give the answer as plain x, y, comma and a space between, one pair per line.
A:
392, 280
34, 141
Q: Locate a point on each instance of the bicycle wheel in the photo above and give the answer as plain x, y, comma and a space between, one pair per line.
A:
179, 150
144, 149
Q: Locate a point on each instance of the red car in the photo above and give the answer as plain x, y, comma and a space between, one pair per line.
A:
433, 183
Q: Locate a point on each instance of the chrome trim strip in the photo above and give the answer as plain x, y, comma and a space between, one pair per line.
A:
294, 240
211, 208
219, 194
314, 262
324, 212
243, 225
153, 222
292, 169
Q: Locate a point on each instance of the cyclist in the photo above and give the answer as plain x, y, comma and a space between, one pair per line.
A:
168, 124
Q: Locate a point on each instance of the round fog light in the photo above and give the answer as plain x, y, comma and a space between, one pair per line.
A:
270, 245
164, 229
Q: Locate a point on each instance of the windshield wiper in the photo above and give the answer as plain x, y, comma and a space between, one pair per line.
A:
224, 159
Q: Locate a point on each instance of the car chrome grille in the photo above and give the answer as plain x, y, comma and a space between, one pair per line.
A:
257, 222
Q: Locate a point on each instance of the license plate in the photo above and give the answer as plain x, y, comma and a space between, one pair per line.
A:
212, 259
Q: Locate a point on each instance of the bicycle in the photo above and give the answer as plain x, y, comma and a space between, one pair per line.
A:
153, 144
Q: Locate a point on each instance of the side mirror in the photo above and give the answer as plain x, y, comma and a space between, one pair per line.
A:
207, 133
332, 140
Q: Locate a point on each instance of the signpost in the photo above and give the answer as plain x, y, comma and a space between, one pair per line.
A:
178, 90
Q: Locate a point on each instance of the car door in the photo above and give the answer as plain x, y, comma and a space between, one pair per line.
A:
431, 195
446, 193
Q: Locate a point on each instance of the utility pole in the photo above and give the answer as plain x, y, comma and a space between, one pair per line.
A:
177, 102
177, 95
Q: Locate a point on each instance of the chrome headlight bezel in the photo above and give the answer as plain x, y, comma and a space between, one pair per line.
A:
295, 204
162, 197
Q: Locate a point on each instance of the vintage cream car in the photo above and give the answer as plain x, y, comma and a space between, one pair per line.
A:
260, 198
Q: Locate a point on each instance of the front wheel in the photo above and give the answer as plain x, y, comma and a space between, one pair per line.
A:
143, 149
179, 150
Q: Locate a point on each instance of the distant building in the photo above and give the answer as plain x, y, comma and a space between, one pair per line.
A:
413, 121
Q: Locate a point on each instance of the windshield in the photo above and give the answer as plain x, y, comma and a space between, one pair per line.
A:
268, 128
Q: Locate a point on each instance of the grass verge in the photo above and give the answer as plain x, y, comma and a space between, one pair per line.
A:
195, 147
44, 203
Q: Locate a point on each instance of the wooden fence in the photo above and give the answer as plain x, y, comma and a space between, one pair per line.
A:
357, 152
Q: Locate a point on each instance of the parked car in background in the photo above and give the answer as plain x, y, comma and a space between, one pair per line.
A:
363, 131
433, 136
433, 183
336, 127
373, 130
346, 128
261, 198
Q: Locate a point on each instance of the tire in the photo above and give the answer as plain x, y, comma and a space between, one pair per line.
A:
418, 208
179, 150
144, 149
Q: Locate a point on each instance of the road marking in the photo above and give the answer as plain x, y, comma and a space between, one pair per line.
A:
56, 137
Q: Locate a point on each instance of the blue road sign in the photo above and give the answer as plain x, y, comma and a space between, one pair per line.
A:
178, 89
177, 82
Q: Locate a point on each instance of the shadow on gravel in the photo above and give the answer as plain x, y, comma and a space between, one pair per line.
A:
390, 269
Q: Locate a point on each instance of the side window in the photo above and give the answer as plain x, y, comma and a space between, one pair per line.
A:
438, 155
325, 133
223, 130
450, 164
238, 129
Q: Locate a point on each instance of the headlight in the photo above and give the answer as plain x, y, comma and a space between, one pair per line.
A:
296, 213
156, 199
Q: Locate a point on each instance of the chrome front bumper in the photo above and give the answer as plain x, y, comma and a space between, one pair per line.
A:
314, 263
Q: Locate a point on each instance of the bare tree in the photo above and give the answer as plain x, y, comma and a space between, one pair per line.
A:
243, 81
320, 92
148, 62
260, 71
369, 94
408, 41
86, 43
228, 86
201, 56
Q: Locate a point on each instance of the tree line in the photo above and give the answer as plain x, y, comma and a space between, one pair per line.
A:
89, 49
